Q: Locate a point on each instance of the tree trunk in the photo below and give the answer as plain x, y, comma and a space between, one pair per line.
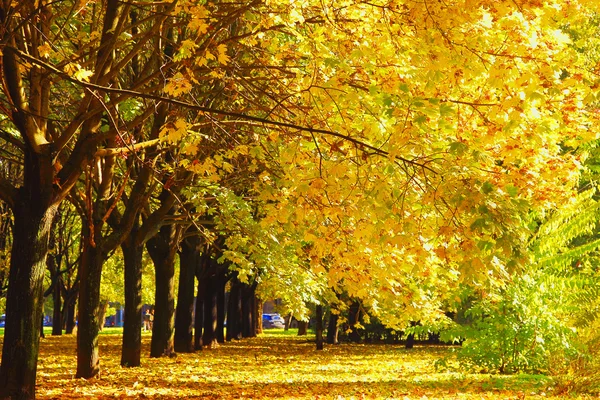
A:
132, 319
332, 329
248, 310
302, 328
199, 315
102, 310
221, 306
184, 324
69, 310
319, 327
257, 316
162, 249
410, 341
353, 318
57, 321
288, 321
53, 263
234, 311
209, 338
24, 300
88, 326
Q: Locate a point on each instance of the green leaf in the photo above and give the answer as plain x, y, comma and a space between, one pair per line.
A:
487, 187
458, 148
446, 109
511, 190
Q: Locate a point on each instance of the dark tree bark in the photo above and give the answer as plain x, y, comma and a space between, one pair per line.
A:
288, 321
332, 329
410, 341
134, 244
248, 310
88, 326
221, 306
199, 315
132, 324
209, 338
69, 309
55, 288
184, 324
97, 243
103, 309
5, 232
97, 246
353, 319
162, 249
70, 292
24, 303
57, 321
257, 315
234, 311
319, 327
302, 328
34, 204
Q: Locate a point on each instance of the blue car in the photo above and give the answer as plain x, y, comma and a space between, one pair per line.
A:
272, 321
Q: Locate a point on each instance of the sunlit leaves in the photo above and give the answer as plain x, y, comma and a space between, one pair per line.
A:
444, 133
222, 56
173, 132
178, 84
476, 101
77, 72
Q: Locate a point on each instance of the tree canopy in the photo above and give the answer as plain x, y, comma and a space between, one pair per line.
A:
391, 152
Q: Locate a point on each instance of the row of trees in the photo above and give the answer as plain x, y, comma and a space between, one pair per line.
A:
377, 150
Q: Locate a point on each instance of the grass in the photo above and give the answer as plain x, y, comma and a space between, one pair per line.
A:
277, 364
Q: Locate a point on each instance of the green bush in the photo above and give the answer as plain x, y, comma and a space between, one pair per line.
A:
522, 328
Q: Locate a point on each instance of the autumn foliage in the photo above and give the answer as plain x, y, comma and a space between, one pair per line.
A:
276, 366
395, 161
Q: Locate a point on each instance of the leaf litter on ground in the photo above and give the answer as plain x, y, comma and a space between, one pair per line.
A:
274, 366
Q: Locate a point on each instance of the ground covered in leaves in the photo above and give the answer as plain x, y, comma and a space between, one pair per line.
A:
275, 365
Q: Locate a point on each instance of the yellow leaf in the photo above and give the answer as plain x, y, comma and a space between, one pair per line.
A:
44, 50
198, 25
227, 167
222, 56
190, 148
186, 50
83, 75
173, 132
177, 85
75, 70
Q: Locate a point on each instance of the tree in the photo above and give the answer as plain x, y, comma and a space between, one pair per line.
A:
54, 152
188, 261
62, 262
456, 142
163, 249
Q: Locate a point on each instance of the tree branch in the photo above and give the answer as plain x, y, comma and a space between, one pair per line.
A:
8, 193
31, 134
127, 149
190, 106
11, 139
